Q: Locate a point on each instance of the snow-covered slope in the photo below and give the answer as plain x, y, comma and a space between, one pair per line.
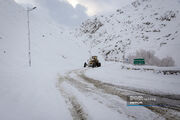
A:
28, 93
143, 24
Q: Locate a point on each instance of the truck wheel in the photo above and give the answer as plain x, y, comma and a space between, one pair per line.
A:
99, 64
85, 64
93, 65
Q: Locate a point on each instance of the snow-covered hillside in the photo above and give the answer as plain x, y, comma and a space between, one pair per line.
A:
143, 24
28, 93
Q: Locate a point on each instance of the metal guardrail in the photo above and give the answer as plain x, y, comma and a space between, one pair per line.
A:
165, 72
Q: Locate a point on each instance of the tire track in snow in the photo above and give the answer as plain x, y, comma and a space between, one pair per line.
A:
83, 88
74, 106
167, 112
104, 90
103, 96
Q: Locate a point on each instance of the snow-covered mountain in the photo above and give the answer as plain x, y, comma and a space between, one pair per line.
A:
143, 24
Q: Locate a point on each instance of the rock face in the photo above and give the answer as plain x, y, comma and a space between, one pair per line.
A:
143, 24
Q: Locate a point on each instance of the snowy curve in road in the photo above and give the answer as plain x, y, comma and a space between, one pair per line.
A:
89, 98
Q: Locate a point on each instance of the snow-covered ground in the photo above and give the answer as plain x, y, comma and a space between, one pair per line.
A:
101, 93
56, 87
30, 93
138, 79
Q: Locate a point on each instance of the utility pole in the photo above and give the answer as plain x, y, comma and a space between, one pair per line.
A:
29, 35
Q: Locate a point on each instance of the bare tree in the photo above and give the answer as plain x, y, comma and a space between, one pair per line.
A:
151, 59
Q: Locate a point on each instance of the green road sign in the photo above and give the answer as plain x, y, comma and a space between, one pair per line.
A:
139, 61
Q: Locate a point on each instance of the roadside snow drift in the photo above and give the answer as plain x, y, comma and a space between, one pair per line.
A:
28, 93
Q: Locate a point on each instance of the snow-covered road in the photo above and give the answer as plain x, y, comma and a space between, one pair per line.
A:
89, 98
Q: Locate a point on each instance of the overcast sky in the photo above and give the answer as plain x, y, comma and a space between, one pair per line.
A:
76, 11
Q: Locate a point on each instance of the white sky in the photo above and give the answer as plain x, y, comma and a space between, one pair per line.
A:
93, 6
74, 12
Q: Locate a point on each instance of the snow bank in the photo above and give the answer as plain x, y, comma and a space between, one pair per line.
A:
30, 92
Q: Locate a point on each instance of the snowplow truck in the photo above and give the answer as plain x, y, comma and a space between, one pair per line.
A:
93, 62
